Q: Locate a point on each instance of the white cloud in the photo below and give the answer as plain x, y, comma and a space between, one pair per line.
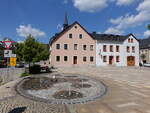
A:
25, 30
124, 2
90, 5
127, 21
115, 31
147, 33
96, 5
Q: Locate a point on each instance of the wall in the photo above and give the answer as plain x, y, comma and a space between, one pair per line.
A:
7, 75
123, 54
64, 39
99, 57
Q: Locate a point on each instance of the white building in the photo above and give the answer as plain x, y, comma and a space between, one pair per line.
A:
116, 50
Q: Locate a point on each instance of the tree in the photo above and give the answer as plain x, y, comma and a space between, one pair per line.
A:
148, 26
143, 56
19, 51
32, 50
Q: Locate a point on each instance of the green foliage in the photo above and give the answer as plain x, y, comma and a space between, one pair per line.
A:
35, 69
148, 26
143, 56
32, 50
24, 74
19, 51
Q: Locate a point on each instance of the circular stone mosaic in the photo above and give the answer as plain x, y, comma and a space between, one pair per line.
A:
61, 88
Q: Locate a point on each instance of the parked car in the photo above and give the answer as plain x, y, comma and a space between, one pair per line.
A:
20, 65
45, 69
146, 65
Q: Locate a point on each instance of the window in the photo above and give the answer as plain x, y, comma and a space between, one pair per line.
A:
75, 46
84, 47
104, 48
132, 40
57, 46
104, 58
80, 36
117, 48
91, 47
66, 46
76, 27
84, 59
133, 49
70, 35
111, 48
57, 58
65, 58
129, 40
128, 49
91, 59
117, 59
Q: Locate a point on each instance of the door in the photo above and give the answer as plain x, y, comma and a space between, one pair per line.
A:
131, 61
75, 60
111, 60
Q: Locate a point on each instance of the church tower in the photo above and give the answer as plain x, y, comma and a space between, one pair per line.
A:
65, 25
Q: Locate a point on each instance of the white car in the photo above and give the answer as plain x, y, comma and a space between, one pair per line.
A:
146, 65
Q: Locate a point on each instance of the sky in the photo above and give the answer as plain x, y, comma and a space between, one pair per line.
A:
44, 18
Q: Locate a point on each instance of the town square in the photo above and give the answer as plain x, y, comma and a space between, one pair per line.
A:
75, 56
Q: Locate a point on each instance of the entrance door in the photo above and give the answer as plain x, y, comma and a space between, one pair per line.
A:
75, 60
111, 60
131, 61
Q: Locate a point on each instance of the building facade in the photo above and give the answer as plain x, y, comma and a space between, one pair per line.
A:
117, 50
145, 50
74, 46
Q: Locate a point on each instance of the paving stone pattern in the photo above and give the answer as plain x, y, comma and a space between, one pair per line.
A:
128, 92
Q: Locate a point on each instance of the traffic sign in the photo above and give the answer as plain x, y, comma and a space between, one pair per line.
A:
12, 61
7, 53
13, 55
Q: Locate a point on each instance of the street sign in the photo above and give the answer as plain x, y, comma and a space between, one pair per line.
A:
12, 61
7, 53
13, 55
8, 44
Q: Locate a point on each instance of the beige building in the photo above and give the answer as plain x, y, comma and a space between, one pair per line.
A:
72, 47
145, 50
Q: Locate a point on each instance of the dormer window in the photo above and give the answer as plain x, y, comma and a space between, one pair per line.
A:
76, 27
129, 40
70, 35
80, 36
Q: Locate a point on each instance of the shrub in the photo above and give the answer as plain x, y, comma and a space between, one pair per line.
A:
35, 69
25, 74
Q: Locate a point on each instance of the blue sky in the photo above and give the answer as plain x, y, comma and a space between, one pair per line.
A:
43, 18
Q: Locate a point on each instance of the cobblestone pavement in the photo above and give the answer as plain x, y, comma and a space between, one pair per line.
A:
128, 92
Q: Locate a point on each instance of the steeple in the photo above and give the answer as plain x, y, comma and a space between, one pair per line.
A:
65, 25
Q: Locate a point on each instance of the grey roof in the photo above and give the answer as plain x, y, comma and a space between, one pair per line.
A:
95, 36
110, 37
145, 43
